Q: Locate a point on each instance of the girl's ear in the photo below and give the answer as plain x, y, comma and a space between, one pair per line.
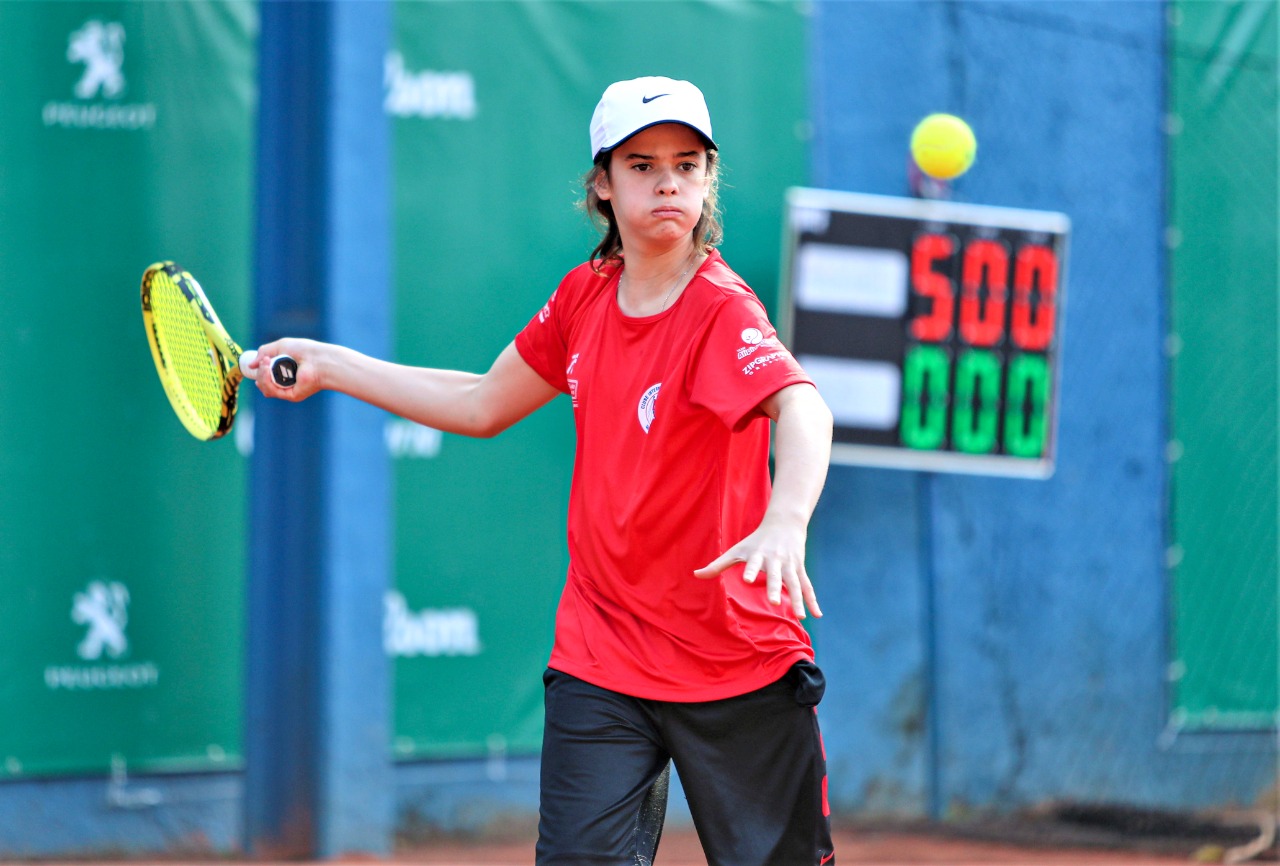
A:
601, 185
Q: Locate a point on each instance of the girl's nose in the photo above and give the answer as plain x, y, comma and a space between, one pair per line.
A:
666, 182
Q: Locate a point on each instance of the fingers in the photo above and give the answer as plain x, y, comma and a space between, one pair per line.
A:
794, 581
782, 575
809, 594
798, 585
773, 583
260, 367
718, 565
729, 558
780, 572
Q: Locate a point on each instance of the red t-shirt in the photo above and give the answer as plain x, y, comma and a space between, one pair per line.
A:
671, 470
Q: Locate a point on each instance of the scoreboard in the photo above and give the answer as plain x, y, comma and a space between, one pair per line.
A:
932, 328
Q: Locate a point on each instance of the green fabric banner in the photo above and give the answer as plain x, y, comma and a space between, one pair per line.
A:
125, 137
1223, 341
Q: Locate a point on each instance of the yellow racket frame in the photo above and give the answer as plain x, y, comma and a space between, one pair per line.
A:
200, 378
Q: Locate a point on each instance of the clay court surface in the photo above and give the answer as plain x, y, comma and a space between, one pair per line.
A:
680, 848
1107, 838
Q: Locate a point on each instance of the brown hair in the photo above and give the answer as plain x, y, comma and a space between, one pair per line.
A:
706, 234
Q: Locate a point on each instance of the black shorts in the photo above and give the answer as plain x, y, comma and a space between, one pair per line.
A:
752, 767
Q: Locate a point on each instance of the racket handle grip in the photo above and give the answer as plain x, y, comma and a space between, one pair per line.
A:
284, 369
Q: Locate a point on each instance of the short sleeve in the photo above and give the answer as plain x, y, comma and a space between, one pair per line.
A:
542, 344
741, 362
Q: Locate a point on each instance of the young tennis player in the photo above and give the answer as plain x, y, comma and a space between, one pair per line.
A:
678, 635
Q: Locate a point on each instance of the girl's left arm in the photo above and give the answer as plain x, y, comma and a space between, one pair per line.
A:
802, 453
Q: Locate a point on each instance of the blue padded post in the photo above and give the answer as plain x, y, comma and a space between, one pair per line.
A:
318, 774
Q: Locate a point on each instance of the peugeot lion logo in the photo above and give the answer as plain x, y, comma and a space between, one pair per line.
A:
100, 47
103, 607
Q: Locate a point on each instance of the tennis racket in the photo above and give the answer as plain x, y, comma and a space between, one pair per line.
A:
199, 364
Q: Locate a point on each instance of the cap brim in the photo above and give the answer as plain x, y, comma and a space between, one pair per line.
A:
711, 145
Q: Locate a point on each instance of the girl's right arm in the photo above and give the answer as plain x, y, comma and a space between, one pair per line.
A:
470, 404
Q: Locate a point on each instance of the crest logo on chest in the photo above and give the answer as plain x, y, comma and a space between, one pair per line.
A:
645, 410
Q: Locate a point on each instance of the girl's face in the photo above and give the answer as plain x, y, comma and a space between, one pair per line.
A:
656, 183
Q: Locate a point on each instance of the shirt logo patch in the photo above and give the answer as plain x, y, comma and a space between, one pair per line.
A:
545, 312
762, 361
645, 410
754, 339
573, 383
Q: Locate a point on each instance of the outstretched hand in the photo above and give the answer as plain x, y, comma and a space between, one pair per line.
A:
308, 355
777, 551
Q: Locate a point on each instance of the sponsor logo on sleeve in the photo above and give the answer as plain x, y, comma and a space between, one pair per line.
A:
754, 340
545, 312
763, 361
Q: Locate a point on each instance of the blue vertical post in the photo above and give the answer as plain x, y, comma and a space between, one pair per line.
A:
318, 776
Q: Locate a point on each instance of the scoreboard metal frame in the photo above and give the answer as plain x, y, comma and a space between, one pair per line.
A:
932, 328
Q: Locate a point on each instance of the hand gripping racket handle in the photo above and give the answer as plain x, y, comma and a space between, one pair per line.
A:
283, 368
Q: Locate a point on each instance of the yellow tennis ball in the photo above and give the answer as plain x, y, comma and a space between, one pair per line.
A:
943, 146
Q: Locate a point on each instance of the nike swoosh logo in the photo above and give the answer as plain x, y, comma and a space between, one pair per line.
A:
647, 99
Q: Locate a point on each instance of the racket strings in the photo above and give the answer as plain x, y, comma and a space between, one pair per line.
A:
196, 372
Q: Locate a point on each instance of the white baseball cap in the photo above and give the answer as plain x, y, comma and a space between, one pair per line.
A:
628, 107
